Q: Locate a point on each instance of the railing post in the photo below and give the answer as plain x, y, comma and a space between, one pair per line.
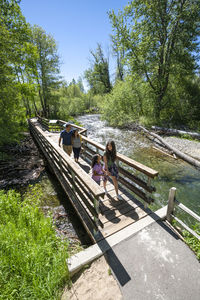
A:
147, 193
96, 207
171, 199
84, 148
73, 178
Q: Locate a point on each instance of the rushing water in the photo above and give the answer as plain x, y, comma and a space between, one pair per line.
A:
172, 172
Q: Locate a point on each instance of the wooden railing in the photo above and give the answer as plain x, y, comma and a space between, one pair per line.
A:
127, 171
83, 191
172, 201
133, 175
57, 125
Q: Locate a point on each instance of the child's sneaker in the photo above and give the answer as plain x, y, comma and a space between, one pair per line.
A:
119, 197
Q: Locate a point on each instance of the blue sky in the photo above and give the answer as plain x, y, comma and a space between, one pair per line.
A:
77, 26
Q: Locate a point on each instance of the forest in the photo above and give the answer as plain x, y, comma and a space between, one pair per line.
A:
157, 81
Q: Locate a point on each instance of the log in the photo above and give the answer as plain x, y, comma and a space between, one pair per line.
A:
180, 154
176, 131
172, 156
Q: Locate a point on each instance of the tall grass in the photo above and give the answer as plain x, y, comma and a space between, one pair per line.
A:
32, 258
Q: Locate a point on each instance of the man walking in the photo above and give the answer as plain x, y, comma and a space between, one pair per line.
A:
66, 136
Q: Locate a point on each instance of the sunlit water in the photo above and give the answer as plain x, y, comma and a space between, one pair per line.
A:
172, 172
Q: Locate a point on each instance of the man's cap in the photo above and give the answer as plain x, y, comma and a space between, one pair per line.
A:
66, 124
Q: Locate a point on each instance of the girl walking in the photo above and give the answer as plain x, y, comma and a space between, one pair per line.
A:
97, 170
110, 166
76, 144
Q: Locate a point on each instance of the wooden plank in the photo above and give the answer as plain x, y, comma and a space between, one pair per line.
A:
55, 164
88, 224
115, 212
187, 210
117, 215
91, 184
123, 221
111, 204
137, 180
82, 129
137, 191
186, 227
86, 221
170, 207
89, 196
136, 165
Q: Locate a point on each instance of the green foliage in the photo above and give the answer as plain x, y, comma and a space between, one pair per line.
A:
124, 104
33, 259
159, 40
192, 241
14, 36
47, 68
72, 101
98, 76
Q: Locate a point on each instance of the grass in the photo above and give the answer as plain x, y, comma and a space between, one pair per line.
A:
192, 241
189, 239
33, 259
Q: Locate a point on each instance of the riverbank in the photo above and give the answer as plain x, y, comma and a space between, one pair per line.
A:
20, 164
189, 147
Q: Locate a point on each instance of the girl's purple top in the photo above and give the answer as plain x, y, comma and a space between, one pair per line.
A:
98, 169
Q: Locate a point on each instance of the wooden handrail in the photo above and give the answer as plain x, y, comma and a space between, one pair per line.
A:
132, 163
128, 179
59, 125
71, 175
94, 188
187, 210
132, 182
82, 129
170, 212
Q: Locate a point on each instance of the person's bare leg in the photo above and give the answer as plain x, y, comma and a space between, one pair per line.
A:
115, 182
104, 185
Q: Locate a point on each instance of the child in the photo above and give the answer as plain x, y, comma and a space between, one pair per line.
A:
110, 166
76, 143
97, 170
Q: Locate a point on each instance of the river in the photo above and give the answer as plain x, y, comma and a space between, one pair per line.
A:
172, 172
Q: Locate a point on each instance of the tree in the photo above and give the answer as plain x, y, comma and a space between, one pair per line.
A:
98, 76
14, 39
47, 68
160, 39
119, 53
80, 84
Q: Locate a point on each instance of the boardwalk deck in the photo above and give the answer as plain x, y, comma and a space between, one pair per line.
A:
114, 214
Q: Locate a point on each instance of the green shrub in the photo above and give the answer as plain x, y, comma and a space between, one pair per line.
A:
192, 241
33, 259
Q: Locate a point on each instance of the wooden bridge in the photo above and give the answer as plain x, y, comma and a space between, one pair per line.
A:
102, 215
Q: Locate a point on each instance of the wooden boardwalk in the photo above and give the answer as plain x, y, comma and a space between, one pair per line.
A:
102, 215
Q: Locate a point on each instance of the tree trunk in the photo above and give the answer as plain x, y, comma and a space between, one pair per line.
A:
180, 154
176, 131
